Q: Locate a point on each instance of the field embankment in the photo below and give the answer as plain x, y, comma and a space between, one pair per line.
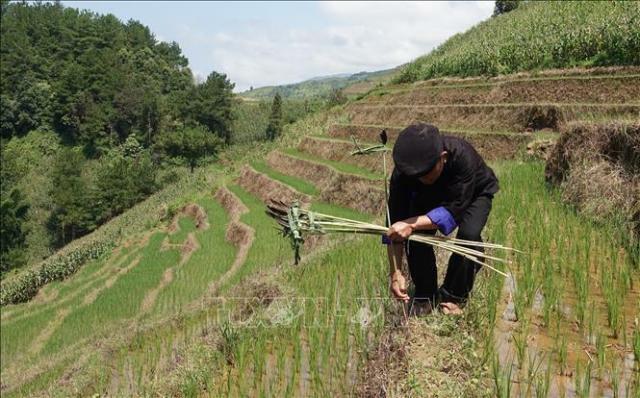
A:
597, 167
507, 104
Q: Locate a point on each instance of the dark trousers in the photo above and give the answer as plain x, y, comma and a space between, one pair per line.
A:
461, 272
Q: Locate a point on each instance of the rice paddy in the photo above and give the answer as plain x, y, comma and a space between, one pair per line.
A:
166, 314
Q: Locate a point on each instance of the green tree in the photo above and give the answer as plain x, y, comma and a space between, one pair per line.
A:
336, 97
124, 176
32, 106
94, 79
212, 105
193, 144
8, 110
72, 216
505, 6
274, 128
13, 214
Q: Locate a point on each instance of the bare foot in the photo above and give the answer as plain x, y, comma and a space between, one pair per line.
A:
450, 309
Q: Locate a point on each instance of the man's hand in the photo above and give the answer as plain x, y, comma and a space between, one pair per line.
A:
399, 231
399, 286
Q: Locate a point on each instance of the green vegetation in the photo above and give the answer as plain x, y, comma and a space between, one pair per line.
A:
92, 95
342, 167
320, 352
193, 277
26, 168
274, 128
505, 6
537, 35
268, 248
319, 87
560, 243
251, 118
13, 212
296, 183
119, 179
193, 144
23, 285
94, 80
126, 286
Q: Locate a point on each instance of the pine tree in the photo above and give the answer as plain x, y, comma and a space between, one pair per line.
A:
274, 128
212, 106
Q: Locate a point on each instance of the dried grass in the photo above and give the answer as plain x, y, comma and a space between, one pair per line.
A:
597, 167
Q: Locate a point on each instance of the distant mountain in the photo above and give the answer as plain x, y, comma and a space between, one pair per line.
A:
322, 85
337, 75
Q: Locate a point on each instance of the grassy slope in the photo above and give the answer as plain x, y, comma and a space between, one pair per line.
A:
538, 35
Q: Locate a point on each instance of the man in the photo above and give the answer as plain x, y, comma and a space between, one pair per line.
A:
438, 183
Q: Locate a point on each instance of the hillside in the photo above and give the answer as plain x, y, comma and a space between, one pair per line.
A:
537, 35
87, 103
193, 292
217, 243
352, 84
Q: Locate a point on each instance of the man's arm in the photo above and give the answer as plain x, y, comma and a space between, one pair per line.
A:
401, 230
399, 200
398, 283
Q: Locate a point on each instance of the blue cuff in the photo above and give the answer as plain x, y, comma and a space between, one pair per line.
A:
443, 219
385, 240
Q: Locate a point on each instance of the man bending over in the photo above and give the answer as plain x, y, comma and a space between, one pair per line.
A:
439, 183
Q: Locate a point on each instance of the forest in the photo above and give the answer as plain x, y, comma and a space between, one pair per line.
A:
96, 115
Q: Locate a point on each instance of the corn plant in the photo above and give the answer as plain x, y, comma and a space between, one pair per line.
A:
537, 35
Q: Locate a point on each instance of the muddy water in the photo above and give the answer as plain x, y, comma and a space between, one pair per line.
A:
542, 345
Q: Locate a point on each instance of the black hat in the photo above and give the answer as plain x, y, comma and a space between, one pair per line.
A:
417, 149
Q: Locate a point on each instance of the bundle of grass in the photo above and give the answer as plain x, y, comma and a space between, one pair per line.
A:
295, 222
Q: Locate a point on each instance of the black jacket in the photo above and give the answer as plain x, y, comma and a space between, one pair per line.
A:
465, 177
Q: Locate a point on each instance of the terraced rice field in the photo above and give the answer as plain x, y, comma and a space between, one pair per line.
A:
210, 304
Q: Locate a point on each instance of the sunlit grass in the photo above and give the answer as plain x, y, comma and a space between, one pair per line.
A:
186, 225
121, 301
296, 183
208, 263
342, 167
